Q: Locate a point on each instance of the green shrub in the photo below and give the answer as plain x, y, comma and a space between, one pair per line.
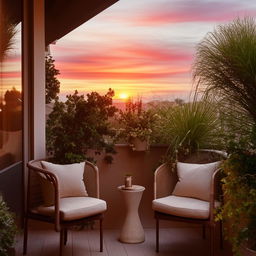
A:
8, 229
52, 84
239, 185
80, 124
136, 122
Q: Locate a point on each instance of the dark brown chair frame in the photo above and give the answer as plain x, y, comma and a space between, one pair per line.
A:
164, 183
60, 225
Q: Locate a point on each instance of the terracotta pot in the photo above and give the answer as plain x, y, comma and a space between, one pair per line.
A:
139, 145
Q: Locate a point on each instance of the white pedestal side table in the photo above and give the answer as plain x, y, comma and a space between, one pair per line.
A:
132, 230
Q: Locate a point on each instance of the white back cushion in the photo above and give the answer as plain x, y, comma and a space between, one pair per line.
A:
70, 177
195, 180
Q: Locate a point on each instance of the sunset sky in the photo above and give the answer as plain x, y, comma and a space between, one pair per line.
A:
141, 47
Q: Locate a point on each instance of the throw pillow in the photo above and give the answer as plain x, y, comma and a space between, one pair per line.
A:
70, 177
195, 180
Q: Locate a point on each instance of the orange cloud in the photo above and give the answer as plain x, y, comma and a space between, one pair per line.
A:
10, 74
127, 62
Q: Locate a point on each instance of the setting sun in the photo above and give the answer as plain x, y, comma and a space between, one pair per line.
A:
123, 96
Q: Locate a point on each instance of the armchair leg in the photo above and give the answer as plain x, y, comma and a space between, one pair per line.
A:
65, 236
61, 242
221, 235
157, 235
101, 236
25, 239
204, 231
212, 239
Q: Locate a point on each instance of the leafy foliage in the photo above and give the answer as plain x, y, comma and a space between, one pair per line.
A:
239, 185
8, 229
136, 122
52, 84
226, 64
80, 124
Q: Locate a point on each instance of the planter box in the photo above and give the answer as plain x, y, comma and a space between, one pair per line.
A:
139, 145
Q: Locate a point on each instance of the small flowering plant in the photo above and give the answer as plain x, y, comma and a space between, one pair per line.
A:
135, 122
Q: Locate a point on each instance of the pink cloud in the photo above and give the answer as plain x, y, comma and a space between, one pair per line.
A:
119, 75
13, 59
129, 51
162, 53
11, 74
126, 62
167, 12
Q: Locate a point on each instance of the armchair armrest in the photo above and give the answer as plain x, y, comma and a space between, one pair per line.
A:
214, 192
91, 179
53, 179
164, 181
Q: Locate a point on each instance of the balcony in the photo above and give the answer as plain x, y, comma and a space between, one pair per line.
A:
175, 238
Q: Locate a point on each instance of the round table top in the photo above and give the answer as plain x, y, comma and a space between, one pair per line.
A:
134, 188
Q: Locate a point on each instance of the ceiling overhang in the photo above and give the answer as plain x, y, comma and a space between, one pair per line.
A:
63, 16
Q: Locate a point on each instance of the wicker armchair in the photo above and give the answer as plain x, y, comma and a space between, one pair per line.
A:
65, 212
167, 206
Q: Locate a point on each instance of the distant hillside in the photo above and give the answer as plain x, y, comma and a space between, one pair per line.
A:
158, 103
121, 105
147, 105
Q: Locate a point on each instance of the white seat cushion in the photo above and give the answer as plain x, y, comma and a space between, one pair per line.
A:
182, 207
73, 208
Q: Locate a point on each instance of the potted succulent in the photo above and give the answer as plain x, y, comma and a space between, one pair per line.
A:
137, 125
8, 230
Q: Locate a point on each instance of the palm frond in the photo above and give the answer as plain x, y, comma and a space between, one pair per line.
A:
7, 32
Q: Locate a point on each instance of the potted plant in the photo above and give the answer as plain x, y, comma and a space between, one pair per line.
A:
223, 68
137, 125
189, 128
8, 230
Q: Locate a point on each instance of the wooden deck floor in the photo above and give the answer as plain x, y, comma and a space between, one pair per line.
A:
173, 242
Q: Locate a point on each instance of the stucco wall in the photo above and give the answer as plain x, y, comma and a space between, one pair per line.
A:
141, 165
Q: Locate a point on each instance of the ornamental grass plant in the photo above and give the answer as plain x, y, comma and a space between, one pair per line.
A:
190, 127
225, 65
225, 68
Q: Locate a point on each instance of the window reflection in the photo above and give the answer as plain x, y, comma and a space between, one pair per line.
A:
10, 88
